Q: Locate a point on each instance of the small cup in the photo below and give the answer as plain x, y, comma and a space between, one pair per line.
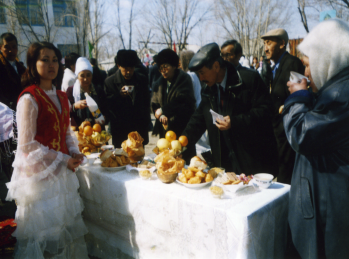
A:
129, 88
262, 181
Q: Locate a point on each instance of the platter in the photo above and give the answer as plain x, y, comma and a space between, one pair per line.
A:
113, 169
232, 188
192, 186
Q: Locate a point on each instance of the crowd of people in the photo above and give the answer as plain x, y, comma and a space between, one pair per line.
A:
295, 131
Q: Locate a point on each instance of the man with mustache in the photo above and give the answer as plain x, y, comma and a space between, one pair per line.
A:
275, 42
243, 142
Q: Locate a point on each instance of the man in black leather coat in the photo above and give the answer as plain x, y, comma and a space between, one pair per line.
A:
244, 141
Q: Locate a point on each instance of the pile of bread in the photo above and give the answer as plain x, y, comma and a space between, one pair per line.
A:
232, 179
195, 173
167, 164
133, 146
114, 158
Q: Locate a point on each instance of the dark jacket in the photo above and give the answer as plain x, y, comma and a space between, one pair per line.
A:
319, 198
80, 115
97, 76
113, 70
279, 93
177, 105
154, 75
267, 74
253, 146
10, 82
127, 114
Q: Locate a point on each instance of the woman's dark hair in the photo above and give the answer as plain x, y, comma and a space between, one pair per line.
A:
167, 56
71, 59
31, 75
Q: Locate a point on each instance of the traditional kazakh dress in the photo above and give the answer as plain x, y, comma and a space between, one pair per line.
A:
48, 217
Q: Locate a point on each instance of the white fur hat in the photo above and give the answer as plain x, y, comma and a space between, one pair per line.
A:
327, 48
82, 64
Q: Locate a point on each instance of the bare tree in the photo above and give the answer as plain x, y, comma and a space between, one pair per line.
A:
118, 24
175, 21
20, 17
301, 10
246, 20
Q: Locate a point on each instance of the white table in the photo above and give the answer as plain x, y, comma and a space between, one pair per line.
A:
126, 215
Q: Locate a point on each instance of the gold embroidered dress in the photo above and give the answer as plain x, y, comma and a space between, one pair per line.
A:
48, 217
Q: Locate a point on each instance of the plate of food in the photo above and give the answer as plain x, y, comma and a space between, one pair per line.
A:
168, 166
232, 183
114, 160
194, 177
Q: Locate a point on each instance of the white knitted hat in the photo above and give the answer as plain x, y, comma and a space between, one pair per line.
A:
327, 48
82, 64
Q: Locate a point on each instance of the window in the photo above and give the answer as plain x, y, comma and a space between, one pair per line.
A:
29, 11
68, 48
63, 11
2, 15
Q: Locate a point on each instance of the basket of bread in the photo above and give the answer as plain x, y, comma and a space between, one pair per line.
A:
194, 176
232, 183
114, 160
91, 137
170, 142
168, 166
133, 146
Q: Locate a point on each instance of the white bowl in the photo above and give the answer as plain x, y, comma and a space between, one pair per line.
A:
107, 147
262, 181
91, 158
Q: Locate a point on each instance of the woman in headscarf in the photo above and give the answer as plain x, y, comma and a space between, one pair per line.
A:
79, 110
317, 127
173, 100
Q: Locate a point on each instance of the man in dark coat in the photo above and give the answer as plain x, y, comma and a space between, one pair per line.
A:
173, 100
128, 110
10, 71
275, 42
244, 142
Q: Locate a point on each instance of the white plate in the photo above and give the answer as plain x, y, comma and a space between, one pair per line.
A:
232, 187
192, 186
113, 169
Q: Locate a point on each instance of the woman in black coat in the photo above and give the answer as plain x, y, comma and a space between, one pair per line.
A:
317, 128
173, 100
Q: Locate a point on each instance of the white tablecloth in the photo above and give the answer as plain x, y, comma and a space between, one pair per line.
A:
149, 219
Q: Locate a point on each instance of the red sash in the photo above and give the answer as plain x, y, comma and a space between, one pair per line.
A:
51, 126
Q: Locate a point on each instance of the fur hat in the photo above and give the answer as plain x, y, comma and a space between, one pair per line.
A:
167, 56
127, 58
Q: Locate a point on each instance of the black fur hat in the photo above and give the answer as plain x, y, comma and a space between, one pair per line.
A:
127, 58
167, 56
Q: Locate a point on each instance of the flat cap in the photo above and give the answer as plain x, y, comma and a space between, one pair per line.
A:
204, 55
278, 33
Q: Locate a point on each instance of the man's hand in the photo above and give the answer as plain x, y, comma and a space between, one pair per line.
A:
294, 87
124, 92
158, 113
163, 119
223, 125
80, 105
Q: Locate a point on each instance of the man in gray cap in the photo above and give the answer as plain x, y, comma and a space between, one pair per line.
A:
244, 141
275, 42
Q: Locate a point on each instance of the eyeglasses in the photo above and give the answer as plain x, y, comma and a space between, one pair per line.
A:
227, 55
164, 68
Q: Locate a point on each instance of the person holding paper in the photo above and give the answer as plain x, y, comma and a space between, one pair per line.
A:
244, 141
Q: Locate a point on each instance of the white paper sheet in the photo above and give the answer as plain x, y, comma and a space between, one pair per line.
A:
216, 116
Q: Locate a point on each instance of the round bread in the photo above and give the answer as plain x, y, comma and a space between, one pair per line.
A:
105, 154
198, 163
